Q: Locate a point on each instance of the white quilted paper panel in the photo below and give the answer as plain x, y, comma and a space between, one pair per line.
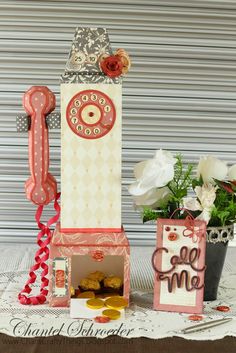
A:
91, 168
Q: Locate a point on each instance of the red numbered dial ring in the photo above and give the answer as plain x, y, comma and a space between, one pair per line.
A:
91, 114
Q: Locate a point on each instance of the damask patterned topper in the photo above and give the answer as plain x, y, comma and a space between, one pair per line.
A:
89, 55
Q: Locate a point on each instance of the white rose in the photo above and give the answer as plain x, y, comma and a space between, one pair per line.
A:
232, 172
152, 197
204, 201
153, 173
211, 168
192, 204
206, 194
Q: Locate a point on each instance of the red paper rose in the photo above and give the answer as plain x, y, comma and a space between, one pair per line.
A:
112, 66
97, 255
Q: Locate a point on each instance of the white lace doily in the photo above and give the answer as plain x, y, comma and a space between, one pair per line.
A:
140, 320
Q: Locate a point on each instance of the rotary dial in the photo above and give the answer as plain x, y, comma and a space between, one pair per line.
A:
91, 114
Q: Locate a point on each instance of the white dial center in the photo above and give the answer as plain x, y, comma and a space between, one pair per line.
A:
90, 114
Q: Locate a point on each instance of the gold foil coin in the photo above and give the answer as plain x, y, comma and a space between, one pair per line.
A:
95, 303
117, 303
88, 294
111, 313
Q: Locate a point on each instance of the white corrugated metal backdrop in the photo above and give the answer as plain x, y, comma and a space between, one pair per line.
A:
180, 94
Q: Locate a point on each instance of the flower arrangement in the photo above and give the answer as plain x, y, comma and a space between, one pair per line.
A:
163, 184
115, 65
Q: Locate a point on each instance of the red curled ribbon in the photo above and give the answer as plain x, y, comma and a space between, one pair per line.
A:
40, 258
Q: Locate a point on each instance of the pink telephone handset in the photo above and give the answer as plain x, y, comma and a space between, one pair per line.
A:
41, 187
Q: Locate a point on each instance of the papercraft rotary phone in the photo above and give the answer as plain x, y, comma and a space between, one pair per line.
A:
90, 122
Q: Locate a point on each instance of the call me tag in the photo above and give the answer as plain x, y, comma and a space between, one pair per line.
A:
179, 265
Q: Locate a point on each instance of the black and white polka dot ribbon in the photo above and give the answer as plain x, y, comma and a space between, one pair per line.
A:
53, 121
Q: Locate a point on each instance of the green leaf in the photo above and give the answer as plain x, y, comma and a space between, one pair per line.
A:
150, 214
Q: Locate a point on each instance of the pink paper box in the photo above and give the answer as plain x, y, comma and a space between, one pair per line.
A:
74, 255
